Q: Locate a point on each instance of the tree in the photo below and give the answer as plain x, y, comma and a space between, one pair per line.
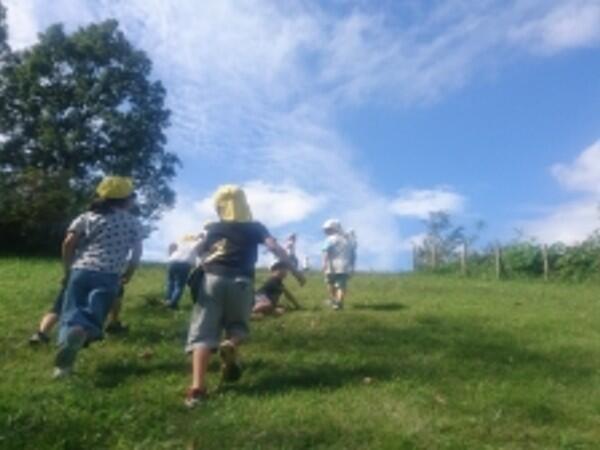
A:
73, 108
443, 238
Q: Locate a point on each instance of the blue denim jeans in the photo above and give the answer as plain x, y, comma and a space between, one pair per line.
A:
177, 277
87, 301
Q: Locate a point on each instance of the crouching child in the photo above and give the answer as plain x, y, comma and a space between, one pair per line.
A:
266, 300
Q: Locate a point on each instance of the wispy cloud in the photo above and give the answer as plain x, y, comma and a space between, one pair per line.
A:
569, 24
420, 203
584, 173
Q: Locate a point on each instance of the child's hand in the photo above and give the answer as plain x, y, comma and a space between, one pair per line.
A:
300, 277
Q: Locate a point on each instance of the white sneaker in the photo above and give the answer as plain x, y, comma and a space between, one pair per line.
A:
61, 372
337, 306
67, 352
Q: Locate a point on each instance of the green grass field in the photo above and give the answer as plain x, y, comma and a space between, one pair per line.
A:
414, 362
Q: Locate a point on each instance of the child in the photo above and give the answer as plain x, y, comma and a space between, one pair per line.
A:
182, 257
101, 250
337, 262
267, 296
230, 251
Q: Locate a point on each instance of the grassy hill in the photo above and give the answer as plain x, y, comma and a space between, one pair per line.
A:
414, 362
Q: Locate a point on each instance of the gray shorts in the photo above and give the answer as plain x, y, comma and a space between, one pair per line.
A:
338, 280
224, 303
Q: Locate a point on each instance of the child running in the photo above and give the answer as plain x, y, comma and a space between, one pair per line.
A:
230, 252
182, 258
338, 262
268, 295
101, 251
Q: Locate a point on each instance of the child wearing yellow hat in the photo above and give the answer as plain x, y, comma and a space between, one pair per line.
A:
101, 250
225, 298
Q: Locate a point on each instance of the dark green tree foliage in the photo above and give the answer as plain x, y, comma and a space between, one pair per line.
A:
73, 108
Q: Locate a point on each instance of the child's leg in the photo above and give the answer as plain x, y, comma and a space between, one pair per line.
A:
200, 360
51, 317
180, 277
115, 311
48, 321
205, 328
332, 291
170, 282
263, 307
114, 324
236, 315
340, 295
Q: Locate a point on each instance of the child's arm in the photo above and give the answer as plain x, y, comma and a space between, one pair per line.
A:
282, 255
290, 297
68, 252
325, 261
134, 262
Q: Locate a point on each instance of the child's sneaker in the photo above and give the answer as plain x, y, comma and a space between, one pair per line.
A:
61, 373
194, 397
231, 369
338, 306
39, 337
116, 328
65, 357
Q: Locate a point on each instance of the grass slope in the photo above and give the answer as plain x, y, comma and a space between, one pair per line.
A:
414, 362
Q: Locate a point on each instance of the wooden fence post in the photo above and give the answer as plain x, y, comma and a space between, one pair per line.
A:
498, 262
546, 264
415, 255
463, 259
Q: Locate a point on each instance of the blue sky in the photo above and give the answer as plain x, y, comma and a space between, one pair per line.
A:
371, 112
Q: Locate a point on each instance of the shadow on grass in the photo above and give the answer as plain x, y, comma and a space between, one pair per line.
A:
275, 378
152, 336
113, 374
435, 351
389, 306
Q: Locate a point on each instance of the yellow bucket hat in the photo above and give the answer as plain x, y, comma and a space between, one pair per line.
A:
231, 204
113, 187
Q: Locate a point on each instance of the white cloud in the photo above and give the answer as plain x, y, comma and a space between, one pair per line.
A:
568, 223
419, 203
574, 221
22, 26
569, 25
584, 173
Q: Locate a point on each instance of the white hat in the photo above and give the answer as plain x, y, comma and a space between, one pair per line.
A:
332, 224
